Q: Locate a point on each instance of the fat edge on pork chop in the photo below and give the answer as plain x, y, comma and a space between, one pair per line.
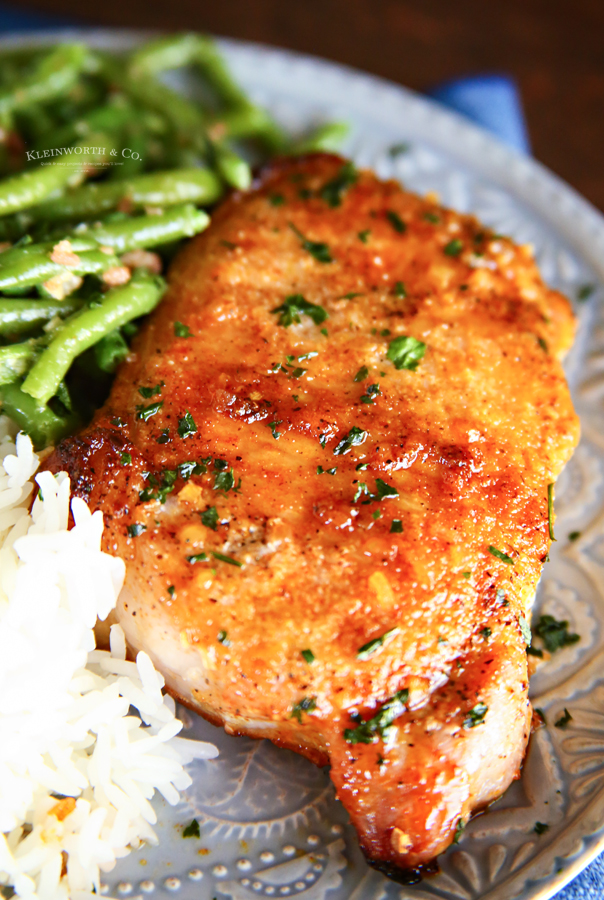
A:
326, 465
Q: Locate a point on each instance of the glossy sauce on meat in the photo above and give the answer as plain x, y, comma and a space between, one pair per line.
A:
309, 531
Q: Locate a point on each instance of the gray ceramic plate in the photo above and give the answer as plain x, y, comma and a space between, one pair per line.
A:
270, 824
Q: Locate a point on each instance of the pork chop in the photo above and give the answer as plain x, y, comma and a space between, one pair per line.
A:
326, 465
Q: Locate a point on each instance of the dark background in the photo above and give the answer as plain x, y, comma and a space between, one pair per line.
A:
554, 48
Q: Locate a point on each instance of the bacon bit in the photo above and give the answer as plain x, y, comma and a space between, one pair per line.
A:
62, 285
217, 131
63, 255
108, 251
117, 275
153, 210
190, 493
380, 584
143, 259
401, 842
5, 245
63, 808
125, 205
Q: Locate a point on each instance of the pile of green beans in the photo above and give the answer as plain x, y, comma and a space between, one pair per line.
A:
100, 157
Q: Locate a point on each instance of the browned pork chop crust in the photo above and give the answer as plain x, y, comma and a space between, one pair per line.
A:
332, 499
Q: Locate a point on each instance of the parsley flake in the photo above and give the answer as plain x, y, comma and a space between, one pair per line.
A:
209, 518
453, 248
399, 289
563, 721
372, 391
459, 830
273, 427
354, 438
147, 392
368, 649
396, 526
146, 412
126, 459
431, 217
296, 305
192, 830
406, 352
317, 249
554, 633
182, 331
224, 480
476, 715
379, 726
136, 529
322, 471
333, 190
486, 633
276, 199
305, 705
499, 554
363, 236
186, 426
197, 557
362, 374
540, 828
526, 630
585, 291
226, 559
164, 437
399, 149
574, 535
396, 221
223, 638
384, 491
308, 656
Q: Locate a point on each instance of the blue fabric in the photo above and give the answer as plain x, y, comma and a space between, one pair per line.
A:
492, 101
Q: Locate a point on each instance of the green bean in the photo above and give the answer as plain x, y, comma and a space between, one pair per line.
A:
326, 138
250, 121
150, 231
200, 186
86, 328
232, 167
38, 267
172, 52
29, 188
17, 316
16, 359
54, 74
38, 421
111, 351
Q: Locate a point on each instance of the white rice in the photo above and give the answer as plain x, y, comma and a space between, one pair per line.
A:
65, 727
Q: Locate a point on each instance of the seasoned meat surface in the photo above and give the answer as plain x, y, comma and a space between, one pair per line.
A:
333, 533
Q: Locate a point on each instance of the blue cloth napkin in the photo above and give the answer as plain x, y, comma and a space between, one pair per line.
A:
492, 101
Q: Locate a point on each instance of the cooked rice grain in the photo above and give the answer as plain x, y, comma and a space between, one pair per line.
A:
77, 770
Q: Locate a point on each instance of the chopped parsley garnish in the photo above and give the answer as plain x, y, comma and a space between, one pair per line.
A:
476, 715
459, 830
364, 235
370, 647
550, 511
296, 305
379, 726
540, 828
543, 344
554, 633
310, 355
223, 638
396, 526
396, 221
197, 557
224, 480
333, 190
360, 467
534, 651
466, 574
574, 535
453, 248
158, 488
229, 245
399, 149
189, 467
406, 352
209, 518
399, 289
325, 332
136, 529
563, 721
171, 590
486, 633
322, 471
126, 459
164, 437
186, 426
354, 438
316, 249
585, 291
376, 514
147, 392
501, 598
226, 559
305, 705
276, 199
273, 427
118, 422
373, 390
541, 714
351, 295
308, 656
525, 628
499, 554
384, 491
192, 830
362, 374
145, 412
431, 217
182, 331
